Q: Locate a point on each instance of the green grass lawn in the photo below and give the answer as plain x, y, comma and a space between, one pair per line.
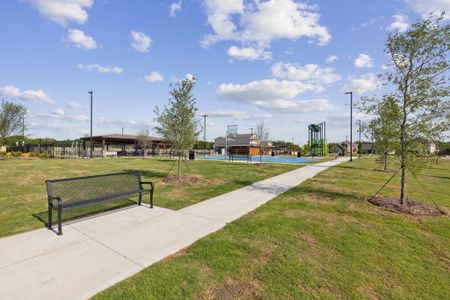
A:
322, 239
23, 196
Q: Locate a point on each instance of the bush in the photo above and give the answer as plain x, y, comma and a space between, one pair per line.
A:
16, 153
26, 155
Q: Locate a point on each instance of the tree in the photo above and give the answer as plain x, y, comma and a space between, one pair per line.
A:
11, 119
263, 135
177, 123
383, 128
418, 79
144, 141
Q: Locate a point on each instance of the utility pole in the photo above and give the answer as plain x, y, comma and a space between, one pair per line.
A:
92, 140
251, 131
204, 135
351, 124
360, 145
122, 130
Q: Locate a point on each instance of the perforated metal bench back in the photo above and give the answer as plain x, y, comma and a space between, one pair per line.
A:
94, 189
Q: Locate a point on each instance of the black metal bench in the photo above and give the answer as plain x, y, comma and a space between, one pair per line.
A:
68, 193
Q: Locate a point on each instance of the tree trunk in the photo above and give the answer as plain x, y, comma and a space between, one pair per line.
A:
385, 160
403, 198
179, 166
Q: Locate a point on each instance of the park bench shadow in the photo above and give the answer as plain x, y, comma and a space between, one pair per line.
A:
86, 212
147, 173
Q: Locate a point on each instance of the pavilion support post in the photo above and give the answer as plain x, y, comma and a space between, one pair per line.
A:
103, 147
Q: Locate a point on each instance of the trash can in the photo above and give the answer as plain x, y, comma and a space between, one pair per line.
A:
299, 154
191, 155
273, 153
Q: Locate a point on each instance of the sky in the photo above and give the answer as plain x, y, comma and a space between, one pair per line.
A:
285, 62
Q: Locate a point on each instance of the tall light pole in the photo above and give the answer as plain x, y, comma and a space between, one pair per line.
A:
122, 130
351, 124
204, 135
360, 145
92, 141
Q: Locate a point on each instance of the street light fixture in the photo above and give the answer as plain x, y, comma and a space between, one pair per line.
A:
351, 124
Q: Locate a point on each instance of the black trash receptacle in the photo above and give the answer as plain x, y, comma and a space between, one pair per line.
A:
273, 153
191, 155
299, 154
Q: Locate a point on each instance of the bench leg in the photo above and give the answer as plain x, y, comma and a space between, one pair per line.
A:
59, 220
50, 214
151, 198
140, 198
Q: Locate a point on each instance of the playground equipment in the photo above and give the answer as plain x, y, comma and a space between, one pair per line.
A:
317, 140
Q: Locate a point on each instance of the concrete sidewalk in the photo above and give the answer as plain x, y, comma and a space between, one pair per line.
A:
98, 252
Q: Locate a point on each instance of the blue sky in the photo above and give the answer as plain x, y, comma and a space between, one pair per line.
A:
282, 61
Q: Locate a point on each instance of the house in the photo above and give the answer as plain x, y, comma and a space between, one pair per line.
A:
343, 148
245, 144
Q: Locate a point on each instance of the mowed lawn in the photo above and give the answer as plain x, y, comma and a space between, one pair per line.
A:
23, 196
322, 239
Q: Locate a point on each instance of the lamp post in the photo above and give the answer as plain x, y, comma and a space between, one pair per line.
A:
360, 145
92, 141
351, 124
204, 135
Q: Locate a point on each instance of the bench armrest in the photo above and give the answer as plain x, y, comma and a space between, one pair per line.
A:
50, 198
147, 182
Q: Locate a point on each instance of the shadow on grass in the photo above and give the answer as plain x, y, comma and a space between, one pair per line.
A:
442, 177
241, 182
353, 167
148, 173
327, 194
84, 212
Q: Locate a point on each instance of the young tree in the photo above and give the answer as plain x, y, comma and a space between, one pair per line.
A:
383, 128
419, 80
144, 141
177, 122
11, 119
263, 135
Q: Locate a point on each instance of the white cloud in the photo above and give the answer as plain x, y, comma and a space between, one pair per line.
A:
154, 77
63, 12
58, 112
175, 8
424, 7
331, 59
363, 61
101, 69
363, 84
27, 95
190, 76
141, 42
261, 22
249, 53
272, 94
62, 116
237, 114
81, 40
310, 73
400, 23
74, 104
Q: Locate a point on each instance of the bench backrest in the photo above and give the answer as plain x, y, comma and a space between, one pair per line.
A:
94, 189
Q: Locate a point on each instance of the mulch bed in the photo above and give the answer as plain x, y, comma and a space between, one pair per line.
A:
411, 208
184, 179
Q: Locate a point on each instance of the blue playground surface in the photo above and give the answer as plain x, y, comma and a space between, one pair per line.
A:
265, 159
